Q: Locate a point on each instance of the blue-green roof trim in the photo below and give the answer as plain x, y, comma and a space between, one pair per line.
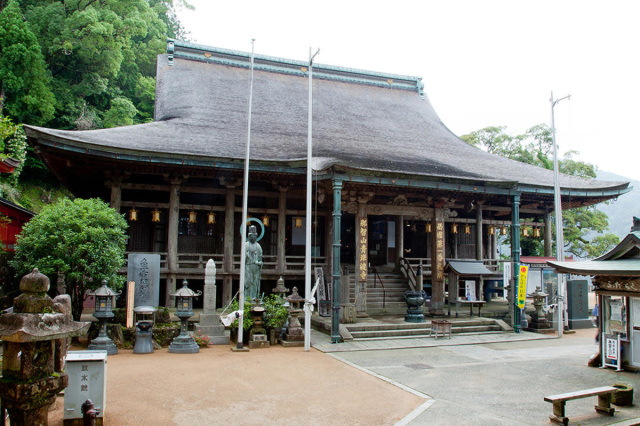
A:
197, 52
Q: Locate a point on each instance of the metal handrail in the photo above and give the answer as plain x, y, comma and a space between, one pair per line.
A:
409, 273
384, 291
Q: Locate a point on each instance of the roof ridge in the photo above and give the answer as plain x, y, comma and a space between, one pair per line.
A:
202, 53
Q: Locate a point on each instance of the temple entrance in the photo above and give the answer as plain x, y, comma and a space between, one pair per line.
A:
382, 240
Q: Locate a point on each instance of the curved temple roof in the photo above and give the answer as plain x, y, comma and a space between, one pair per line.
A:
364, 121
622, 260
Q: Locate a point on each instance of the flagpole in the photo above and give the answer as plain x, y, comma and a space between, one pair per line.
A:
307, 256
557, 200
245, 197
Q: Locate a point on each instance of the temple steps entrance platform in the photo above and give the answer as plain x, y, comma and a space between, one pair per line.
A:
322, 341
376, 330
390, 331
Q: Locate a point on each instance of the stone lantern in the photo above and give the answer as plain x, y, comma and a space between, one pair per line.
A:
184, 343
34, 350
145, 317
280, 290
295, 334
539, 320
103, 311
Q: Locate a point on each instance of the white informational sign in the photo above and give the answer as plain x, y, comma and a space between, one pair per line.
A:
611, 351
506, 273
611, 347
635, 309
470, 290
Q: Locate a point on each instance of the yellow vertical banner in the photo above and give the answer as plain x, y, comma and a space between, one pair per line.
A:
363, 252
522, 285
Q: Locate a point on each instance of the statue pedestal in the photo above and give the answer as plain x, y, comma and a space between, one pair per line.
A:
210, 325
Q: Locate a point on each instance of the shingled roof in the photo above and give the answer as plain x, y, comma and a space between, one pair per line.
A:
363, 122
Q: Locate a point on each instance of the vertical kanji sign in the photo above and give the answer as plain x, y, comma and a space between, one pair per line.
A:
363, 260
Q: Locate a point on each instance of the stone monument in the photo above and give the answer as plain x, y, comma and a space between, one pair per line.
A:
144, 269
210, 321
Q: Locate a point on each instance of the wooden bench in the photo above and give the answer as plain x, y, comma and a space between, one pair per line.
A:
559, 401
471, 303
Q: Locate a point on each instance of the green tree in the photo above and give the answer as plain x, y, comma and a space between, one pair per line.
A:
13, 143
585, 228
81, 241
25, 95
98, 51
121, 113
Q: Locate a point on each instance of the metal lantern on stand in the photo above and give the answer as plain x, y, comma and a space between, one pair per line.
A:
184, 343
103, 311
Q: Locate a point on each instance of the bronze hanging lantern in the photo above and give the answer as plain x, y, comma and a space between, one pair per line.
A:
265, 220
491, 230
503, 231
454, 229
525, 232
133, 213
193, 216
467, 229
536, 232
427, 228
155, 215
211, 218
298, 222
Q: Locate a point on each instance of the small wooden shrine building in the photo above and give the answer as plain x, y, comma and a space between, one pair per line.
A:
392, 185
616, 277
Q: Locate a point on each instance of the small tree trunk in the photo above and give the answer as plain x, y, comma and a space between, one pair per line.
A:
77, 300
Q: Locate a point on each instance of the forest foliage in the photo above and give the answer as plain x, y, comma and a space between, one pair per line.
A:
75, 65
585, 229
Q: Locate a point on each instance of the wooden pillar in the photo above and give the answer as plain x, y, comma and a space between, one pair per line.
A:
172, 241
455, 242
227, 262
479, 234
362, 257
337, 223
547, 234
493, 240
399, 241
437, 263
282, 230
116, 195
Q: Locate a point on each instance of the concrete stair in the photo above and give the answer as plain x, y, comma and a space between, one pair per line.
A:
403, 330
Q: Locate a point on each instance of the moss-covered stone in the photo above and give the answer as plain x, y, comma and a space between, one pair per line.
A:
165, 333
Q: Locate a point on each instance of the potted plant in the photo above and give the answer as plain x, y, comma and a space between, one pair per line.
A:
276, 316
247, 322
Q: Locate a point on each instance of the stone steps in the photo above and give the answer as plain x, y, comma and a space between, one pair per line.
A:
387, 331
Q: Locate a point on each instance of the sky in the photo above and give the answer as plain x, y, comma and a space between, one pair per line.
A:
484, 63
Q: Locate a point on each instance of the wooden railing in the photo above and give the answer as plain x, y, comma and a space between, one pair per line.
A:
188, 261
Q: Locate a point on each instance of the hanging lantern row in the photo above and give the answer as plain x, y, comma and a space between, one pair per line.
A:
133, 213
